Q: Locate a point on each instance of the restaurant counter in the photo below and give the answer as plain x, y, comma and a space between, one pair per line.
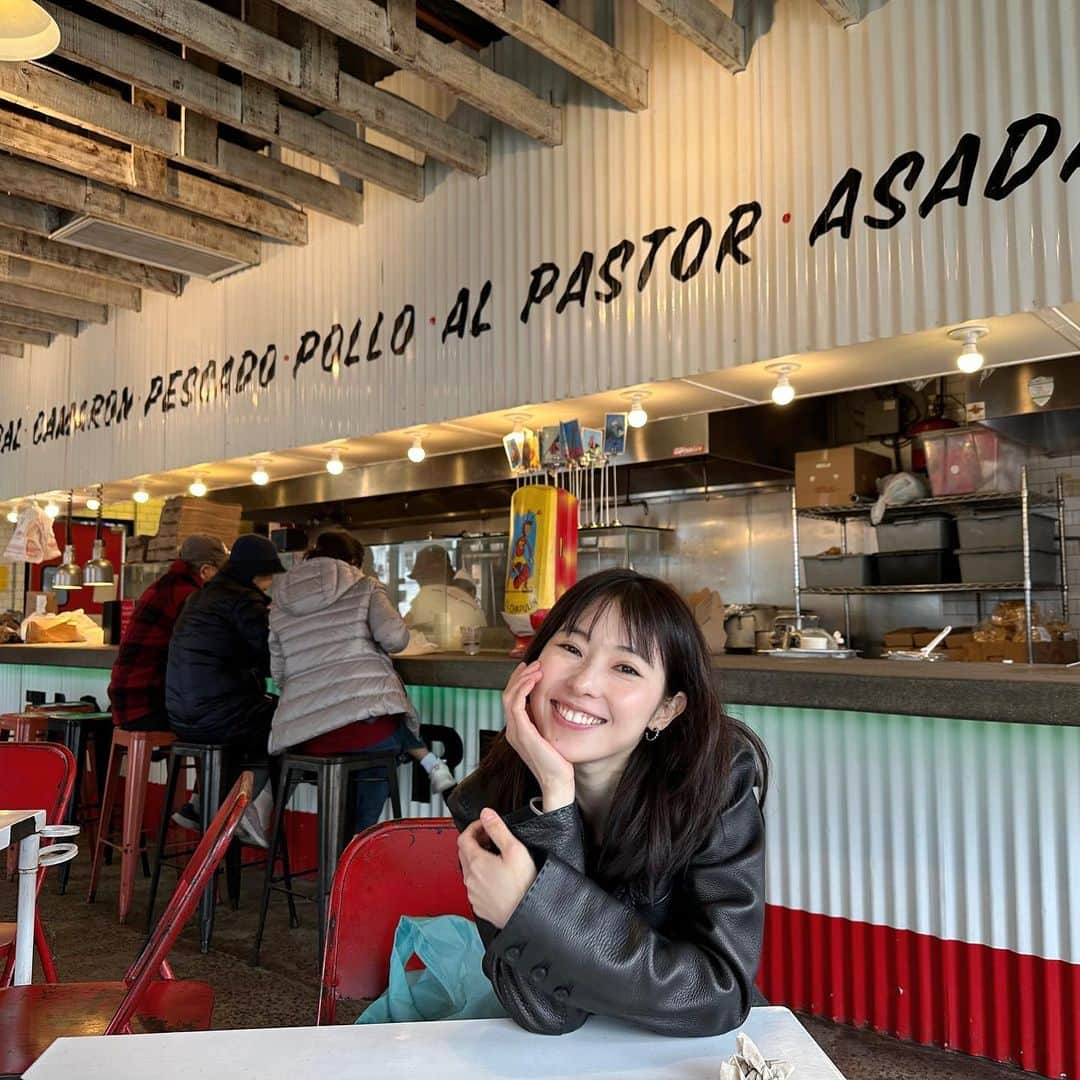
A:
1009, 693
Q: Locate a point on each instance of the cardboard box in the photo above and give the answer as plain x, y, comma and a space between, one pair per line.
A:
832, 477
31, 603
1046, 652
903, 637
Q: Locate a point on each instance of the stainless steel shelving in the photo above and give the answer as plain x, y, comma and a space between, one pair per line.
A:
1025, 500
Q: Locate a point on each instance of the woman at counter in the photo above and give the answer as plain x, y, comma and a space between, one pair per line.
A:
331, 629
613, 841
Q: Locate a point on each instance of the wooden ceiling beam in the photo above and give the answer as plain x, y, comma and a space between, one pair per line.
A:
30, 180
69, 283
11, 348
29, 217
845, 12
707, 26
39, 250
53, 304
29, 319
271, 60
11, 332
392, 35
35, 87
245, 107
571, 46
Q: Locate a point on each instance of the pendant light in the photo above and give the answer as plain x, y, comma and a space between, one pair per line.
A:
98, 571
70, 575
416, 452
197, 487
260, 477
13, 515
334, 465
27, 31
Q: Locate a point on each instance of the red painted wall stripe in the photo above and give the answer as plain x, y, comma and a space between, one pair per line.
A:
1014, 1008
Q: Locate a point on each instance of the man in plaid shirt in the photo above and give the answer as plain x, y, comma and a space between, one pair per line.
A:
137, 687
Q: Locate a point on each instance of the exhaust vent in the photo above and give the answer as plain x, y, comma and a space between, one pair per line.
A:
128, 243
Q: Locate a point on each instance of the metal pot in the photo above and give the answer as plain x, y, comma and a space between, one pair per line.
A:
743, 622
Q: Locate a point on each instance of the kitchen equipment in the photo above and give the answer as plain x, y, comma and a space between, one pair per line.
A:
920, 533
1007, 564
813, 654
764, 640
925, 653
933, 567
837, 571
743, 622
1004, 529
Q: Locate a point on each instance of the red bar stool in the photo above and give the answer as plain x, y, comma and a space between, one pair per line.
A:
139, 746
24, 727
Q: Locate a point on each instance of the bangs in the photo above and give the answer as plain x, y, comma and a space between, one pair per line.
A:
643, 616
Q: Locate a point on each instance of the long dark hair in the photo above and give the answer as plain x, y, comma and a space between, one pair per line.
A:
337, 544
673, 789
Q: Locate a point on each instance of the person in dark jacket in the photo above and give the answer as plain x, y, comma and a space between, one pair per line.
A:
219, 660
137, 685
613, 837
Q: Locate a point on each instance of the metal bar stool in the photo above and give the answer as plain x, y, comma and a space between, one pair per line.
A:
211, 766
139, 746
333, 775
75, 728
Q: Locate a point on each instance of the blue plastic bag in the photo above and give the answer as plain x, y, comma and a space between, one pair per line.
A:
452, 985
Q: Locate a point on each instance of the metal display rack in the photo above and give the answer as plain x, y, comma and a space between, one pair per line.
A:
1025, 499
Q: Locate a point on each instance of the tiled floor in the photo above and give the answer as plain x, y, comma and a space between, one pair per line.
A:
89, 944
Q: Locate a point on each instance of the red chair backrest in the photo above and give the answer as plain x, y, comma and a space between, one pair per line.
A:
193, 882
36, 776
406, 867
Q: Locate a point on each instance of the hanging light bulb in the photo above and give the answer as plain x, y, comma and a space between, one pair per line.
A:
197, 488
141, 495
417, 453
637, 417
260, 476
13, 516
783, 393
27, 31
334, 465
93, 503
970, 359
52, 509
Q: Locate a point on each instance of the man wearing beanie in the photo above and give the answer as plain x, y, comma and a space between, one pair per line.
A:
219, 661
137, 686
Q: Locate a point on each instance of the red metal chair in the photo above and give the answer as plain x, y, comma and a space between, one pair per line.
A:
33, 1017
34, 776
406, 867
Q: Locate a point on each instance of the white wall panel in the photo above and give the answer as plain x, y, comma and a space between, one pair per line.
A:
814, 101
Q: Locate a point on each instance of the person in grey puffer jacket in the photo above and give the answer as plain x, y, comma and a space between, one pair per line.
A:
331, 630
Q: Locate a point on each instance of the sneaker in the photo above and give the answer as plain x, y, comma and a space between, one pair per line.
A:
441, 778
187, 817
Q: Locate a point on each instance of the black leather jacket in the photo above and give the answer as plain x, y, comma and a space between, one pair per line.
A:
682, 965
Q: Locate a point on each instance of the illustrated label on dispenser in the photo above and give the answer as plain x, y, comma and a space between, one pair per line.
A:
542, 559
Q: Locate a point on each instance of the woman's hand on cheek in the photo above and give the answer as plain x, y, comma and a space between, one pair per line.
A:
553, 772
496, 880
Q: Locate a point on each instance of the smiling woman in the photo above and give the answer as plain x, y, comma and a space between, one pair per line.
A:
613, 843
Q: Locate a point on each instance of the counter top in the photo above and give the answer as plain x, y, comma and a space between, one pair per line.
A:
1011, 693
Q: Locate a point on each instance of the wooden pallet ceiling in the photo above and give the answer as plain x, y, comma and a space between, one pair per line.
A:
169, 117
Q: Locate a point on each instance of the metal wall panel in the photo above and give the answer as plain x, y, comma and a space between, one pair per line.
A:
814, 101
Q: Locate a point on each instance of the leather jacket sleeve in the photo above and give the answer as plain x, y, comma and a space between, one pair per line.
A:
571, 948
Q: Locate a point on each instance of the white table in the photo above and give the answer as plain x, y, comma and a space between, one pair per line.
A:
450, 1050
23, 827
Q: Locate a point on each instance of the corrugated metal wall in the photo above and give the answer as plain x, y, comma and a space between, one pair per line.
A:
814, 100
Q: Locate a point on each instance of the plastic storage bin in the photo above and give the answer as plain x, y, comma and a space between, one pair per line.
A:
1007, 565
837, 571
1003, 529
935, 567
962, 461
916, 533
